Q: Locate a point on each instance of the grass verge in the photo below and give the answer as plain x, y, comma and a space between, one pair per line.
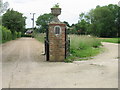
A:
83, 48
40, 37
111, 40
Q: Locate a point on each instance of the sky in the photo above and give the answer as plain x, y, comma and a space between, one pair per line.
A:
70, 8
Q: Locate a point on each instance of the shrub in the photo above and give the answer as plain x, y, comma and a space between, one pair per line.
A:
0, 34
9, 35
56, 5
18, 34
14, 35
6, 34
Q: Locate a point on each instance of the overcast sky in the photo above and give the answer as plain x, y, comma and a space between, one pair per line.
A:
70, 8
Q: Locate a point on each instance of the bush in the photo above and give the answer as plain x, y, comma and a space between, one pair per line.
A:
6, 34
0, 34
9, 35
14, 35
18, 34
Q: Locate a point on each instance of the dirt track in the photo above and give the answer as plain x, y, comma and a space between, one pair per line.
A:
23, 66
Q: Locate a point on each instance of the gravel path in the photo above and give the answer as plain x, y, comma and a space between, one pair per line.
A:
23, 66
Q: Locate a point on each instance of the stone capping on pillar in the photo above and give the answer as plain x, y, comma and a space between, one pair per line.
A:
56, 11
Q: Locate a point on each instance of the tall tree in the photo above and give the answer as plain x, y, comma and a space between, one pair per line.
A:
83, 23
14, 20
104, 21
118, 21
66, 23
81, 27
3, 6
43, 21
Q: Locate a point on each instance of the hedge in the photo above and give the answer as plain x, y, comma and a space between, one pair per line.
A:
7, 35
19, 34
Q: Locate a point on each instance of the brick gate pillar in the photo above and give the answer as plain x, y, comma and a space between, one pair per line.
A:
57, 41
57, 37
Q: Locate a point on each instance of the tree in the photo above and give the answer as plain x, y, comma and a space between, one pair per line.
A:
43, 21
82, 25
104, 20
66, 23
14, 20
3, 6
118, 21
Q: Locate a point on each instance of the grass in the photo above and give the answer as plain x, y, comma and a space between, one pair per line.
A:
111, 40
40, 37
83, 47
3, 41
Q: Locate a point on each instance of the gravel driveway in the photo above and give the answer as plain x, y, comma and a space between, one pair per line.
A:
23, 66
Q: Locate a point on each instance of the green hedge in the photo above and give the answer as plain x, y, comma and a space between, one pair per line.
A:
7, 35
19, 34
14, 35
